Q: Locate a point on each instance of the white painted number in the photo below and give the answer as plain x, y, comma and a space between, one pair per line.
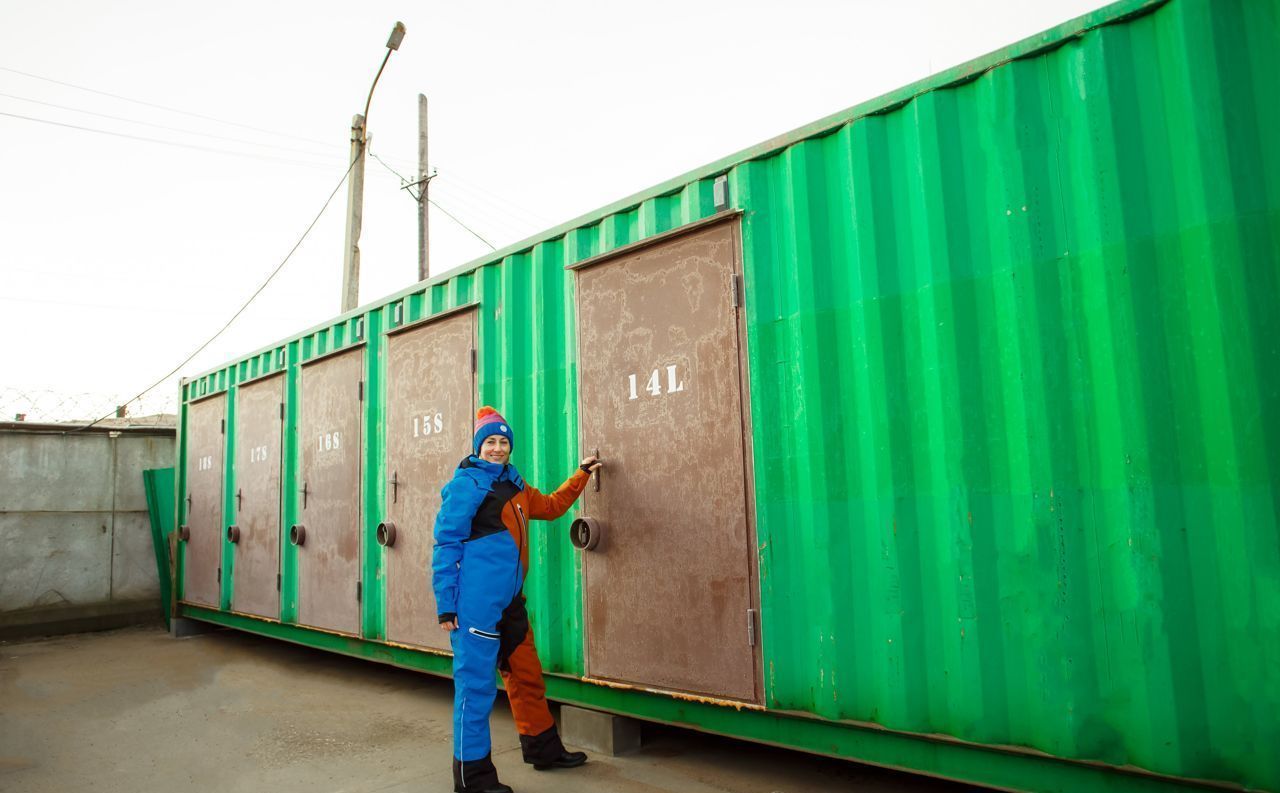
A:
329, 441
675, 383
429, 424
205, 463
258, 454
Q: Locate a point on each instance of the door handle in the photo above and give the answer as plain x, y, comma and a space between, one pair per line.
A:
596, 476
395, 486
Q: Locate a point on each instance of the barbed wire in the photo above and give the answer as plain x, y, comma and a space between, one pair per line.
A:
51, 406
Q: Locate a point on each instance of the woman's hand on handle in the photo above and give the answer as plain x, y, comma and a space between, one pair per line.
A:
592, 464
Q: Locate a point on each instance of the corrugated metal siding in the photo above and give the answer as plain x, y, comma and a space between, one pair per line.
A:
1017, 341
1013, 355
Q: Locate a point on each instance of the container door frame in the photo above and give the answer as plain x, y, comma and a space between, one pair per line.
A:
738, 296
360, 349
281, 442
219, 464
390, 469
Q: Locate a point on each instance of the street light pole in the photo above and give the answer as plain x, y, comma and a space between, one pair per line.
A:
355, 185
355, 210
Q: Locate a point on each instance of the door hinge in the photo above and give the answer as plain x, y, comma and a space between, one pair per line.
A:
277, 582
473, 360
735, 286
751, 627
219, 575
360, 391
223, 430
282, 411
359, 591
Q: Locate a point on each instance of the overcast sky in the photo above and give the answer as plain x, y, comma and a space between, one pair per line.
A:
120, 256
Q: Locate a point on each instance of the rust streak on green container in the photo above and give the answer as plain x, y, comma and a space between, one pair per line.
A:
1015, 389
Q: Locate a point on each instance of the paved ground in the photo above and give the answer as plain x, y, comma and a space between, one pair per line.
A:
133, 710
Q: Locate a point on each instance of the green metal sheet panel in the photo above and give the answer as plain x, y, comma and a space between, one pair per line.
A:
1013, 364
1037, 313
157, 483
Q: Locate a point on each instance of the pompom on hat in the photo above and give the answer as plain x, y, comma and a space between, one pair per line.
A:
490, 422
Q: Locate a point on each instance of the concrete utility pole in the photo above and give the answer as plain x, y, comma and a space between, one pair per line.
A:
424, 251
355, 187
355, 210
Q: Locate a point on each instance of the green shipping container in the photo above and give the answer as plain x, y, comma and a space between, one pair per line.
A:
992, 363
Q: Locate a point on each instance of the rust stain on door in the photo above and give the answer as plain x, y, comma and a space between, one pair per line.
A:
430, 405
668, 591
329, 559
259, 422
204, 500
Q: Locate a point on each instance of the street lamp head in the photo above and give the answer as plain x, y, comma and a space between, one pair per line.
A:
397, 36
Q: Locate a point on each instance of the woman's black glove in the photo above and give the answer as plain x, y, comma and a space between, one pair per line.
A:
447, 616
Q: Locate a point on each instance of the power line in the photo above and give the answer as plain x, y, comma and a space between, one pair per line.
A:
499, 201
242, 308
168, 109
434, 204
165, 127
493, 217
163, 142
388, 167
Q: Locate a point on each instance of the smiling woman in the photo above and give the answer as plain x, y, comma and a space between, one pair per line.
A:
480, 561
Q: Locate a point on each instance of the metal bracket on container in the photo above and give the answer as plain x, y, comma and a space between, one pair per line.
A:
304, 495
233, 533
298, 534
184, 533
394, 481
720, 192
239, 499
386, 534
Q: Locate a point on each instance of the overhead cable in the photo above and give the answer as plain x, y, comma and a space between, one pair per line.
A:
168, 109
162, 142
434, 204
242, 308
168, 128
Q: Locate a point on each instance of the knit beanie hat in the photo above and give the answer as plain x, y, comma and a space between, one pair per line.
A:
490, 422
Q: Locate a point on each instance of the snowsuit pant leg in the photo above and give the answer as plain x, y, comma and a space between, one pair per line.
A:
527, 693
474, 689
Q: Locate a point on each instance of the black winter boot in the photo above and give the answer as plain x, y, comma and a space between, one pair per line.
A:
477, 776
545, 751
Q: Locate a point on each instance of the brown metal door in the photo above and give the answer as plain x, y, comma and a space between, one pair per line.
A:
430, 404
669, 590
259, 421
329, 557
203, 556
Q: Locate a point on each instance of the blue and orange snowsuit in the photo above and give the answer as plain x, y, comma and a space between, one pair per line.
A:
481, 558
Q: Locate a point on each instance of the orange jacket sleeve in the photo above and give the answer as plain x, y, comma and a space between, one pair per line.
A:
550, 507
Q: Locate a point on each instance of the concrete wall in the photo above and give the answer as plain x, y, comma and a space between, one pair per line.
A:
75, 541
